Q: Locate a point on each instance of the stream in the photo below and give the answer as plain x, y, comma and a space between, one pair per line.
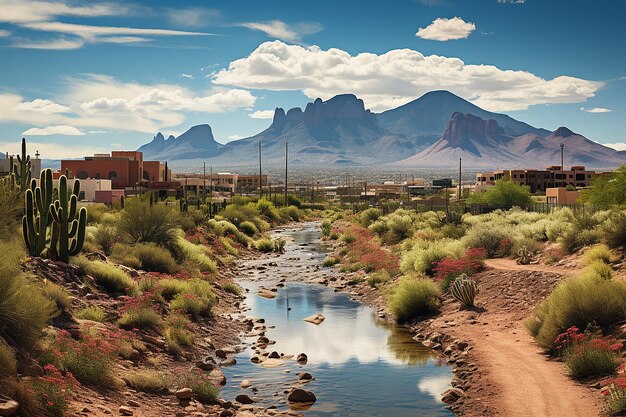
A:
361, 365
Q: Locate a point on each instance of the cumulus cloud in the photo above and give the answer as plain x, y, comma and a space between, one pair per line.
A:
102, 102
280, 30
54, 130
395, 77
444, 29
619, 146
262, 114
596, 110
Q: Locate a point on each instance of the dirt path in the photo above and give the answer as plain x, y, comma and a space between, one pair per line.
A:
511, 265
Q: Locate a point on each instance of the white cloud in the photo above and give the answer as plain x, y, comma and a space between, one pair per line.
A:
512, 1
443, 29
53, 150
23, 11
192, 17
54, 130
435, 386
52, 44
187, 76
620, 146
596, 110
280, 30
396, 77
41, 106
235, 137
262, 114
91, 32
101, 102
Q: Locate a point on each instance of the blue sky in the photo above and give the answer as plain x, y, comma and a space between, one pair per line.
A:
90, 76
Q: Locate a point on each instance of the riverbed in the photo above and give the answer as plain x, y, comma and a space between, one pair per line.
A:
361, 365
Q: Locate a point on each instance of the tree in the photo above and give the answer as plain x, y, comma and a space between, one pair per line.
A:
607, 189
505, 193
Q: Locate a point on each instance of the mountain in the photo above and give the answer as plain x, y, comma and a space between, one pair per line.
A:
424, 120
431, 131
197, 142
484, 143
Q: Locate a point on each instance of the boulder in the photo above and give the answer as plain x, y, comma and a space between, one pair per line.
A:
9, 408
305, 376
302, 358
184, 394
125, 411
244, 399
315, 319
245, 383
298, 395
451, 395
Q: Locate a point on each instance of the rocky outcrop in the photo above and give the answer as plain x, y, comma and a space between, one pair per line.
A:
464, 126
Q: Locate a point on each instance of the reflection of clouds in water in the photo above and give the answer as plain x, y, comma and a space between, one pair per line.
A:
348, 333
434, 385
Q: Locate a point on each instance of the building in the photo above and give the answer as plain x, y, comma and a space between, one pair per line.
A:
5, 165
220, 183
538, 180
560, 196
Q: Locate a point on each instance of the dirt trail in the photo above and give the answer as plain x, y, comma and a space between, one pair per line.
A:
511, 265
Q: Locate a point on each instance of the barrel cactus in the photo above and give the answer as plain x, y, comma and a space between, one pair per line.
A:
68, 229
525, 256
465, 290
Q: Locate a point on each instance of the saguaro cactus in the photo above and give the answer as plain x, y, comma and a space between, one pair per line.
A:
465, 290
37, 218
68, 230
22, 169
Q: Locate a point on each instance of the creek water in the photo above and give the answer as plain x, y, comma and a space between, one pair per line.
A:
361, 365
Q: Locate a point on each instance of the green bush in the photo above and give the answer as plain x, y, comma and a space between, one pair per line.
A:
143, 222
248, 228
202, 387
598, 269
195, 299
154, 258
414, 297
169, 287
24, 309
424, 255
369, 216
588, 359
599, 252
576, 239
59, 295
578, 301
505, 193
486, 236
106, 236
197, 254
614, 230
326, 228
123, 254
331, 261
107, 276
148, 380
8, 364
292, 213
264, 245
143, 318
379, 277
178, 333
231, 288
93, 313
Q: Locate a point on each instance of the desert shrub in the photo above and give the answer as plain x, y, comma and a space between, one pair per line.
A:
177, 332
59, 295
292, 213
616, 396
599, 252
348, 237
552, 255
107, 276
148, 380
326, 228
449, 268
198, 254
331, 261
169, 287
237, 214
52, 390
414, 297
607, 190
123, 255
248, 228
228, 246
379, 227
530, 244
505, 193
97, 213
264, 245
24, 309
378, 277
143, 318
154, 258
11, 208
400, 227
588, 354
8, 364
231, 288
369, 216
143, 222
598, 269
424, 255
196, 299
614, 230
486, 236
453, 231
578, 301
202, 387
105, 236
93, 313
226, 228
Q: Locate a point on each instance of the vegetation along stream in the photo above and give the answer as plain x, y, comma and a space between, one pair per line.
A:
360, 364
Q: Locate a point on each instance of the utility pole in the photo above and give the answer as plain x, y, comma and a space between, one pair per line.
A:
286, 159
459, 196
204, 182
260, 182
562, 166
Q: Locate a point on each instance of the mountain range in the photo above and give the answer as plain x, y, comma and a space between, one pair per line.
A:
431, 131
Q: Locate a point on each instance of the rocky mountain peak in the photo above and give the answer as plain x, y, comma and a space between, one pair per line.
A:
463, 126
340, 107
563, 132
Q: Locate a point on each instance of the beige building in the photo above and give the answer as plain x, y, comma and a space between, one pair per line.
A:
538, 180
5, 165
561, 196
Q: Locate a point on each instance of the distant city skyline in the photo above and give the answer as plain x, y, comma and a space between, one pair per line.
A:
85, 77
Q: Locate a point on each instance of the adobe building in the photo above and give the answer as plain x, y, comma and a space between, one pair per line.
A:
562, 196
538, 180
5, 165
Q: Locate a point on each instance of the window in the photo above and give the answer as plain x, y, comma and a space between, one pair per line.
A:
146, 176
97, 176
112, 175
83, 175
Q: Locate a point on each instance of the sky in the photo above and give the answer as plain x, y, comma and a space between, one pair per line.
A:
81, 77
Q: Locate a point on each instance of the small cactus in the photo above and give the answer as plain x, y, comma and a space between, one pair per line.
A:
21, 171
37, 214
465, 290
525, 256
68, 229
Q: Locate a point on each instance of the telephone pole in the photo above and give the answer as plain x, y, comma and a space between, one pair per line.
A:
286, 159
260, 182
204, 182
459, 196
